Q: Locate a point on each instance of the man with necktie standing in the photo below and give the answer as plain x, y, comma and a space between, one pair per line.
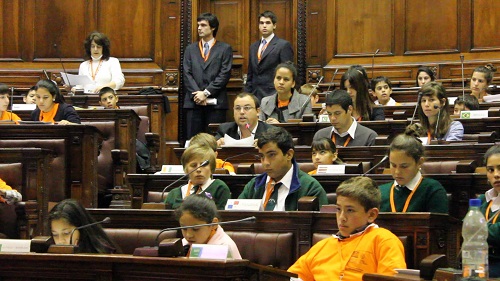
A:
207, 69
264, 56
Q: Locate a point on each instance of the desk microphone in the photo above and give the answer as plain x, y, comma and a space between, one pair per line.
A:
463, 79
333, 78
105, 220
247, 125
378, 164
419, 98
437, 123
62, 64
234, 156
11, 101
315, 88
249, 219
203, 164
373, 60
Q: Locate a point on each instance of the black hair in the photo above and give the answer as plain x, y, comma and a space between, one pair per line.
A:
106, 90
93, 239
488, 71
4, 89
379, 79
199, 206
469, 101
340, 97
51, 87
435, 89
100, 39
326, 144
278, 135
255, 99
288, 65
409, 142
212, 21
363, 104
269, 14
427, 70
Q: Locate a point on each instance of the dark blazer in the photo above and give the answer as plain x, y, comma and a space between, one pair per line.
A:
231, 129
260, 75
64, 112
212, 75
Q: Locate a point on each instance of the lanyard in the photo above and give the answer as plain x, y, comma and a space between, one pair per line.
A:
393, 205
92, 69
429, 136
346, 141
209, 50
343, 264
488, 213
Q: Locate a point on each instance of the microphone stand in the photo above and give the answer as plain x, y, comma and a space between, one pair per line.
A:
203, 164
11, 102
303, 107
419, 98
62, 64
463, 79
373, 60
234, 156
378, 164
437, 123
333, 78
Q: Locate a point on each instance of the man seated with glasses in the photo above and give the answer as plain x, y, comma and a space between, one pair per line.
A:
282, 184
246, 120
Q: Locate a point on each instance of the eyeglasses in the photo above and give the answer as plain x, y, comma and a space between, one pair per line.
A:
245, 108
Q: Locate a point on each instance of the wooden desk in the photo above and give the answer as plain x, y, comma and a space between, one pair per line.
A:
431, 233
33, 266
81, 143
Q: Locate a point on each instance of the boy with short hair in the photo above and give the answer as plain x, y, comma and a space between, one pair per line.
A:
108, 98
470, 102
29, 98
360, 246
283, 183
382, 90
209, 140
4, 105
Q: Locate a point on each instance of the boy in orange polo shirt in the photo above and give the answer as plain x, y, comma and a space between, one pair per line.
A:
360, 246
4, 105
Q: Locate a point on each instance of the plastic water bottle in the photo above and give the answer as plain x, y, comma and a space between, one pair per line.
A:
475, 246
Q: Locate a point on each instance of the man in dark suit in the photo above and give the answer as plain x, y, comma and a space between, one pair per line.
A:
207, 69
265, 55
246, 120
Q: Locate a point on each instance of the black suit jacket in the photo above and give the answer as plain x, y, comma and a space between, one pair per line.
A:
260, 77
212, 75
231, 129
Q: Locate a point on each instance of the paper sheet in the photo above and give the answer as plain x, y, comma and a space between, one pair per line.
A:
76, 79
230, 142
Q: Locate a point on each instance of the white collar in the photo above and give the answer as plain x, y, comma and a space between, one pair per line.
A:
492, 194
391, 102
268, 39
412, 184
351, 131
253, 131
371, 225
203, 187
210, 42
287, 178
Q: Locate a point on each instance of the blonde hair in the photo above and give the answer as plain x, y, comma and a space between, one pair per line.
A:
198, 152
204, 139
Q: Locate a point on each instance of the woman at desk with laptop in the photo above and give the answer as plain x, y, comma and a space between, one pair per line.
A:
99, 66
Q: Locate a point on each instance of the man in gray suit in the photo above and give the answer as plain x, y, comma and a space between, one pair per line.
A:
207, 69
264, 56
345, 131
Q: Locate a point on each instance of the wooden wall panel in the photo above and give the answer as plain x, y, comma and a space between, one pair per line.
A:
286, 25
9, 30
167, 41
316, 32
63, 23
363, 26
136, 42
432, 26
485, 23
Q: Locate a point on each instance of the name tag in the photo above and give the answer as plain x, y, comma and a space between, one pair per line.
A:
206, 251
330, 169
15, 245
23, 106
473, 114
244, 204
324, 118
171, 169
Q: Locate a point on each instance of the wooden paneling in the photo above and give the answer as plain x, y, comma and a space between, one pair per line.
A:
431, 26
316, 30
137, 39
9, 46
363, 26
485, 23
286, 25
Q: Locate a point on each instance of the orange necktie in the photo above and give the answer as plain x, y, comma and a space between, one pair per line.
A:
269, 191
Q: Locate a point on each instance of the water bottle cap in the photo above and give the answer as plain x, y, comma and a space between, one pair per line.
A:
474, 203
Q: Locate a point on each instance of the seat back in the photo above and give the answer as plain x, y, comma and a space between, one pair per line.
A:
276, 249
130, 238
407, 242
12, 174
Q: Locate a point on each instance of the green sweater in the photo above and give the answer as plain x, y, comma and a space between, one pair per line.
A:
302, 185
218, 189
429, 197
493, 230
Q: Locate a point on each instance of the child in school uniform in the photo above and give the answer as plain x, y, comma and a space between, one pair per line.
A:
382, 90
324, 152
200, 181
360, 246
210, 141
201, 209
108, 98
490, 206
5, 115
410, 191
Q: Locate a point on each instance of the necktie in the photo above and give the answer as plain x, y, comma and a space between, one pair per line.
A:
196, 189
402, 187
262, 48
205, 49
271, 195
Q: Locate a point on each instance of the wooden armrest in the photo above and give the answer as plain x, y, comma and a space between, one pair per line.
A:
308, 203
430, 264
153, 141
245, 168
119, 156
466, 166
